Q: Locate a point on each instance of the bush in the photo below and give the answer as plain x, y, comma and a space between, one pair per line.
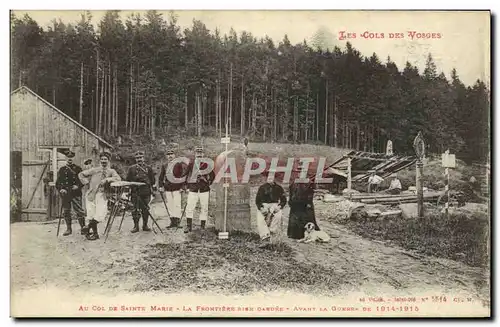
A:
462, 237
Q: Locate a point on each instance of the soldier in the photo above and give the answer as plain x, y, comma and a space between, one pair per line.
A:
141, 195
172, 188
270, 201
198, 190
70, 189
98, 180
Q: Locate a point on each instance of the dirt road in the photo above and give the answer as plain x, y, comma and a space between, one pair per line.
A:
39, 260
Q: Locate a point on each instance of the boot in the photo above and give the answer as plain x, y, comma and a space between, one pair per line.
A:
68, 231
203, 222
173, 223
136, 226
81, 221
145, 224
189, 225
93, 226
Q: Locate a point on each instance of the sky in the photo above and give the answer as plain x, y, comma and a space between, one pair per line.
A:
458, 40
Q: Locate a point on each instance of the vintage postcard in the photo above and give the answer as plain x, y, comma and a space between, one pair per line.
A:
250, 163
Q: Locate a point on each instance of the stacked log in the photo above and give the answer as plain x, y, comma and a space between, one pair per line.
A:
392, 199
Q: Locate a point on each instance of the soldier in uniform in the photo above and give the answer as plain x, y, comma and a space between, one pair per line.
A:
270, 201
70, 189
172, 188
141, 195
198, 190
98, 180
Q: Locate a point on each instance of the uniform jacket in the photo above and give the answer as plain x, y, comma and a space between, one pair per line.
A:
94, 176
203, 182
270, 193
178, 171
142, 174
67, 177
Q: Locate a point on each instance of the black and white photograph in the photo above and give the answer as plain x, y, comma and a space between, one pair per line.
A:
245, 163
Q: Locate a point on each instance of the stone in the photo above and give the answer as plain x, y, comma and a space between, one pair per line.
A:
238, 216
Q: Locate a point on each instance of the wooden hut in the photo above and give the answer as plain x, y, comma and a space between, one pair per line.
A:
40, 133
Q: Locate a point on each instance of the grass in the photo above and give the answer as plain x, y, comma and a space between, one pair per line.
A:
236, 265
461, 237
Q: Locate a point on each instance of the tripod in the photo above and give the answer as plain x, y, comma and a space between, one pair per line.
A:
124, 200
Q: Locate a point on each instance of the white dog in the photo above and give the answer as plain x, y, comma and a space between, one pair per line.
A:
312, 235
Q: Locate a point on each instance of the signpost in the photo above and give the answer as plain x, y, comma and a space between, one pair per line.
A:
447, 161
419, 147
224, 235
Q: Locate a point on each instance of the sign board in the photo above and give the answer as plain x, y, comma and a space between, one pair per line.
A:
225, 140
448, 160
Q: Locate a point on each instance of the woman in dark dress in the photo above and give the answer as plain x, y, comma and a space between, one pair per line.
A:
301, 209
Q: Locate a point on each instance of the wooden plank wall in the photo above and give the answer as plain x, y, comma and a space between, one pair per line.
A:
36, 125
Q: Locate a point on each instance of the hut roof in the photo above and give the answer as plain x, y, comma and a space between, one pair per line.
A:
24, 88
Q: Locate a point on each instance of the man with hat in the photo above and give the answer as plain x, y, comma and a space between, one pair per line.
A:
172, 188
98, 180
141, 195
270, 201
199, 190
70, 189
374, 181
395, 187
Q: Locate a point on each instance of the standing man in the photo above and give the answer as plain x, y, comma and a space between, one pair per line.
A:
374, 181
270, 201
198, 190
141, 195
70, 189
99, 180
172, 189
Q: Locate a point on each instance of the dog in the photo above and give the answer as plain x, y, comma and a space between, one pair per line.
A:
312, 235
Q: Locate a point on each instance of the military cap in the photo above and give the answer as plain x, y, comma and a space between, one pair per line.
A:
87, 162
170, 151
70, 154
105, 154
139, 154
198, 149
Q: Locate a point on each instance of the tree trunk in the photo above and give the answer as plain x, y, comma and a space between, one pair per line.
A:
186, 116
326, 113
317, 116
96, 115
254, 114
295, 119
307, 117
335, 132
103, 86
113, 105
265, 115
80, 113
275, 115
110, 92
217, 104
116, 123
358, 135
198, 119
231, 100
242, 109
153, 119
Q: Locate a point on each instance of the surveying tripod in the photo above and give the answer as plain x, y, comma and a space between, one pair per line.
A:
123, 202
